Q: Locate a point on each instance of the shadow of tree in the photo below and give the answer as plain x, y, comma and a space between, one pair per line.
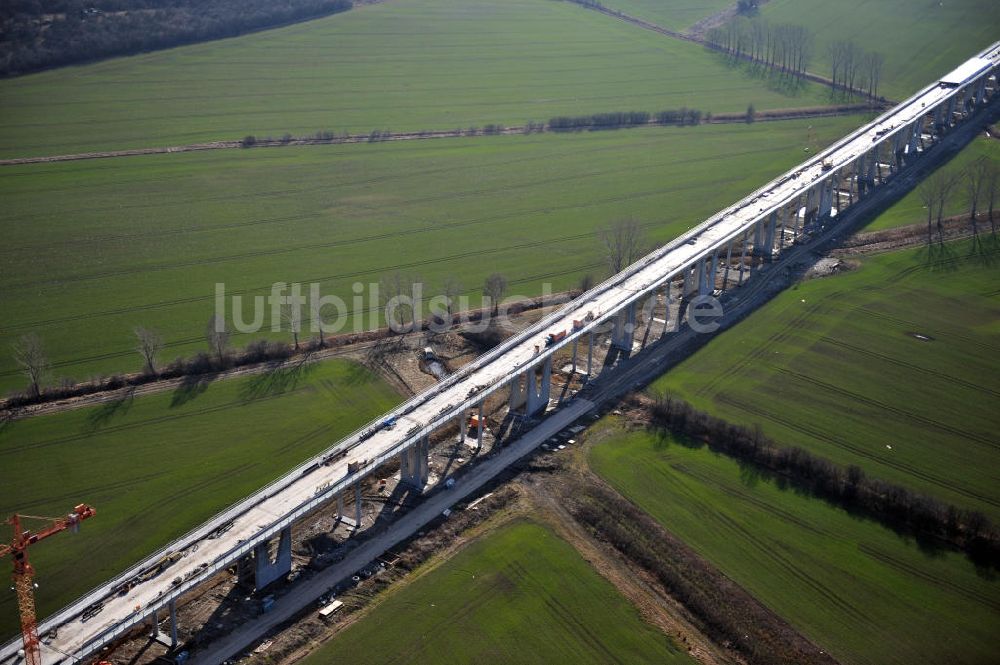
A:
110, 409
277, 379
190, 388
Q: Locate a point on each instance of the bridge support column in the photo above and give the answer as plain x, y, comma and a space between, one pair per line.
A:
518, 395
479, 429
743, 259
758, 240
572, 371
981, 91
340, 504
769, 239
952, 102
463, 426
729, 262
538, 398
358, 505
825, 199
154, 618
623, 329
781, 231
939, 118
590, 355
267, 571
916, 130
703, 269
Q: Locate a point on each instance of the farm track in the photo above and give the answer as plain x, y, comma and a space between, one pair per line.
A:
766, 116
837, 442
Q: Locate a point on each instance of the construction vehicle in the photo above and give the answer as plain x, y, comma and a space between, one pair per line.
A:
24, 573
555, 337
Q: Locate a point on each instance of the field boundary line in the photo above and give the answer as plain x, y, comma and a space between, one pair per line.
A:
721, 119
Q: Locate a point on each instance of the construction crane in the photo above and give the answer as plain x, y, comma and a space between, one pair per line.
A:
24, 573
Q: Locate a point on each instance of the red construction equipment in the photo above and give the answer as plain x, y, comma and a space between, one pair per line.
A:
24, 573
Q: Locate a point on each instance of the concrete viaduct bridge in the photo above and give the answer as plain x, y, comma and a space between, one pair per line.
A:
719, 254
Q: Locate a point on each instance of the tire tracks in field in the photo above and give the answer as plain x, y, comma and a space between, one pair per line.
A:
789, 565
125, 427
973, 595
903, 414
838, 442
749, 498
911, 366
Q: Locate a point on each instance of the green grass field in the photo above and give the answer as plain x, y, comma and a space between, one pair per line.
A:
401, 65
910, 209
921, 40
833, 366
93, 249
159, 465
518, 595
855, 588
672, 14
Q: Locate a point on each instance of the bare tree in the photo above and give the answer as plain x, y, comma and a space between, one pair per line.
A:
874, 62
148, 344
991, 187
399, 287
291, 316
217, 336
944, 186
928, 195
452, 290
975, 179
494, 289
30, 357
624, 243
586, 282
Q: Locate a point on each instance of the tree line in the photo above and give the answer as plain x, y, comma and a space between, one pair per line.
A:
853, 68
39, 34
895, 506
784, 47
980, 182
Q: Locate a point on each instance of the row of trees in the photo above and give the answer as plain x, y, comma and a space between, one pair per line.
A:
611, 120
37, 34
853, 68
785, 47
893, 505
980, 184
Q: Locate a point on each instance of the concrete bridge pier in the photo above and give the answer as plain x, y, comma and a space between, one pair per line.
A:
538, 393
266, 570
518, 394
413, 466
743, 260
481, 426
590, 357
725, 271
952, 102
623, 328
155, 620
358, 513
463, 426
772, 225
